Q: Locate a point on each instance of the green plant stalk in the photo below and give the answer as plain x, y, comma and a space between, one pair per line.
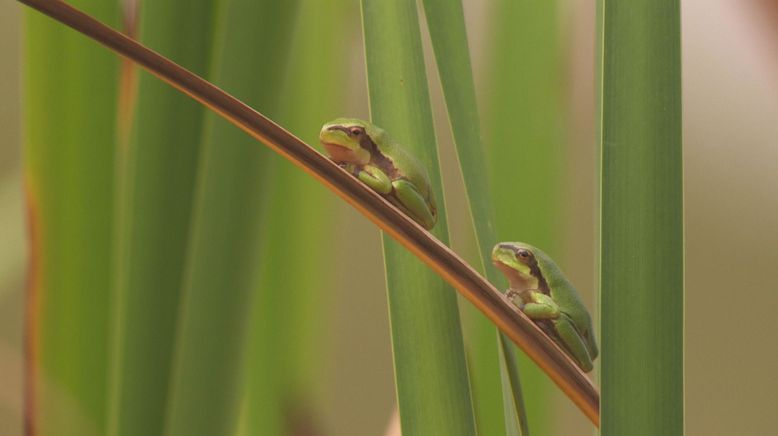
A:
282, 376
229, 226
523, 131
433, 392
642, 295
446, 24
69, 146
156, 203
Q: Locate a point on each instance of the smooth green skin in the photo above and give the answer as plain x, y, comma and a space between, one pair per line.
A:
548, 298
376, 159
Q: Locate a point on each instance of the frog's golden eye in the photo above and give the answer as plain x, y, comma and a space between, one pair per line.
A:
355, 131
524, 254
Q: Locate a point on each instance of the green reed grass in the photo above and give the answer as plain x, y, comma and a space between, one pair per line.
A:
156, 202
288, 339
230, 223
449, 40
431, 377
642, 295
69, 146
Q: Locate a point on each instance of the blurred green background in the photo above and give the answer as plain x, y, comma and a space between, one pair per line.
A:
730, 73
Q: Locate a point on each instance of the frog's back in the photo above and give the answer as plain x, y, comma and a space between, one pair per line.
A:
564, 293
413, 169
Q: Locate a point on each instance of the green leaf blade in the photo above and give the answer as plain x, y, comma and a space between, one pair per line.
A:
431, 376
228, 231
449, 39
69, 147
156, 201
642, 295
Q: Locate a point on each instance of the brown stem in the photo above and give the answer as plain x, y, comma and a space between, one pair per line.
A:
523, 332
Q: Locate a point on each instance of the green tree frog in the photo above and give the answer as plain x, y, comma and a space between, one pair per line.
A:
370, 154
542, 292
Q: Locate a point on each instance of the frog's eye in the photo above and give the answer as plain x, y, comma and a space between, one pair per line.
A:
524, 254
355, 131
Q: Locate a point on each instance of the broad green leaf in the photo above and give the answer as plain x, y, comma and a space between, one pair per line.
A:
641, 270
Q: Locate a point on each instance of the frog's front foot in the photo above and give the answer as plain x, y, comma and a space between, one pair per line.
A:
349, 167
514, 296
511, 294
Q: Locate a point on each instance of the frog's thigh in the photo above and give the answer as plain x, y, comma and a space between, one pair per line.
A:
573, 341
413, 201
375, 179
541, 307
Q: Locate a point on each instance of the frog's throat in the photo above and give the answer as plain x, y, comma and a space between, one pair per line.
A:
342, 154
519, 280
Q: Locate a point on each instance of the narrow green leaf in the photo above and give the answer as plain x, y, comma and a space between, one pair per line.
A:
523, 130
155, 205
449, 40
516, 411
642, 295
69, 145
431, 377
250, 59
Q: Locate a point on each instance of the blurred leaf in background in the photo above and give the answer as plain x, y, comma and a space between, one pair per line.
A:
523, 130
13, 250
286, 347
230, 223
69, 143
155, 202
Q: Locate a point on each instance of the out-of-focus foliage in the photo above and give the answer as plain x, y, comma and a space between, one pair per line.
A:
155, 201
230, 224
524, 133
69, 144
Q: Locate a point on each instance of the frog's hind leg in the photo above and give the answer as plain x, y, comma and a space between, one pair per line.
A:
541, 306
413, 202
375, 179
572, 341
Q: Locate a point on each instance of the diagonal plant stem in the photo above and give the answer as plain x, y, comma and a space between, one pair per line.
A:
520, 329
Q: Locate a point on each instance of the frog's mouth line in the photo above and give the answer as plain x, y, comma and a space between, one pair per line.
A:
329, 145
